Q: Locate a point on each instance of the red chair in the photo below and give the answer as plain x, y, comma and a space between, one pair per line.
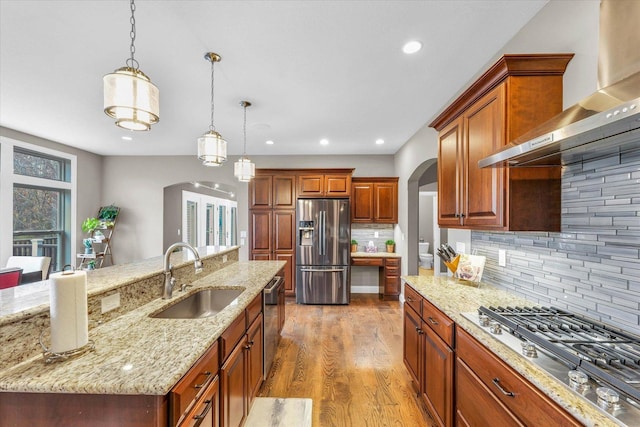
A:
10, 277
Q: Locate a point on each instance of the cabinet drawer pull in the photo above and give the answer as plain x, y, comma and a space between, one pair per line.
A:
203, 414
496, 382
409, 299
207, 374
432, 320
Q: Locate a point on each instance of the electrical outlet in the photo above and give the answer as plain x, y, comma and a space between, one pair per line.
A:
375, 234
110, 303
502, 258
243, 233
461, 248
224, 259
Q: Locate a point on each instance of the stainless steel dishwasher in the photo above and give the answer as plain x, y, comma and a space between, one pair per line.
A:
273, 300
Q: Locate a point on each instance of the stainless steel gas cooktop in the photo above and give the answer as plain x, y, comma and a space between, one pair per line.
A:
599, 363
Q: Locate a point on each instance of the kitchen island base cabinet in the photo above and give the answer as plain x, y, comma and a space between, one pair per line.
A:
207, 412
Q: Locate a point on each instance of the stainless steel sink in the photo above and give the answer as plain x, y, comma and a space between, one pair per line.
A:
205, 303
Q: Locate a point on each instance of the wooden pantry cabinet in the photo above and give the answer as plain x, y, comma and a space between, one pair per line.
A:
273, 195
516, 94
374, 200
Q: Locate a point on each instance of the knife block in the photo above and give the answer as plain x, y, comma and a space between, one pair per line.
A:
453, 264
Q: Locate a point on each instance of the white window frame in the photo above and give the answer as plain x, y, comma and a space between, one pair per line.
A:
202, 200
8, 179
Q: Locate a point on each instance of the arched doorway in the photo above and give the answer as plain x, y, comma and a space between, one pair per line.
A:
425, 173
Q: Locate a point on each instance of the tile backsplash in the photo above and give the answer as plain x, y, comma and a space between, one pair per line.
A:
593, 265
365, 233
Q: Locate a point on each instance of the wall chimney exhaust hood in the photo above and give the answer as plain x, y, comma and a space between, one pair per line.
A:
605, 123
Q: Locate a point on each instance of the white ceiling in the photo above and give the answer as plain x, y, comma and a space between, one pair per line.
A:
312, 69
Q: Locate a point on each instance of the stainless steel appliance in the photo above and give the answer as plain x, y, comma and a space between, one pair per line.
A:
606, 122
599, 363
323, 274
273, 309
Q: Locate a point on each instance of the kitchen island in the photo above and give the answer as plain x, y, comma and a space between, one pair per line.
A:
135, 355
453, 298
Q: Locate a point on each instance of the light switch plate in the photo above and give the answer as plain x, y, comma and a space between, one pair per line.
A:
461, 248
502, 258
243, 233
376, 234
110, 303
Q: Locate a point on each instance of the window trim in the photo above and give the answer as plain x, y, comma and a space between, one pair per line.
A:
8, 179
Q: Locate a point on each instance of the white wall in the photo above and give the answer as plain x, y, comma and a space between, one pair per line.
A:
136, 185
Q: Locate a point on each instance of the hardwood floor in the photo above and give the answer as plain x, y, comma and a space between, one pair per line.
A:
348, 359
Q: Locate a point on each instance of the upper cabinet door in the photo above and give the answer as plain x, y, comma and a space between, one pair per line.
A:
450, 160
362, 202
385, 196
284, 192
310, 185
484, 128
337, 185
260, 192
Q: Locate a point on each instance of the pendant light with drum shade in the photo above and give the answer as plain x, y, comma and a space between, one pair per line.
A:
129, 95
212, 148
243, 169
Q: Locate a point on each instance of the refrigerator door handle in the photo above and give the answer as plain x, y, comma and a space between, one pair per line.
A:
322, 231
317, 270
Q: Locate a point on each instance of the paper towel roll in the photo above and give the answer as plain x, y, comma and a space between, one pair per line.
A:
69, 318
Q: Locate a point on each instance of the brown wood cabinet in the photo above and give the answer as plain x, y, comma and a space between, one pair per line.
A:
324, 185
242, 370
388, 273
206, 413
516, 94
513, 392
427, 354
374, 200
273, 195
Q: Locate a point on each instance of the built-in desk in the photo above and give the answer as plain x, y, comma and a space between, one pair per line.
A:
389, 270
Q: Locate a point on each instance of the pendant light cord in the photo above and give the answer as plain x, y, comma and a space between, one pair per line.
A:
211, 126
131, 62
244, 130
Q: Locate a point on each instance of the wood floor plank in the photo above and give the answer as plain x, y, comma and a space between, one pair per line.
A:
348, 359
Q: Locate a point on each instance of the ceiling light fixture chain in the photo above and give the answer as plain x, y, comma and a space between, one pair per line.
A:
131, 62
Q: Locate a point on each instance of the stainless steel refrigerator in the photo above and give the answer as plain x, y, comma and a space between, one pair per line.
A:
323, 274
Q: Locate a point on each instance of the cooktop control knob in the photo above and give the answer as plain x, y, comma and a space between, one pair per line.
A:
484, 320
579, 381
529, 349
495, 328
608, 399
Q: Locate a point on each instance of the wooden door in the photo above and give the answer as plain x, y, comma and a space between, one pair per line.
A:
311, 185
261, 192
255, 362
450, 159
337, 185
437, 388
261, 231
289, 270
385, 196
233, 388
412, 350
284, 192
362, 202
284, 230
484, 134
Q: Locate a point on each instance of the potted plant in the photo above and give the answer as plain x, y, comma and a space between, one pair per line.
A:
391, 245
107, 215
91, 265
354, 246
89, 226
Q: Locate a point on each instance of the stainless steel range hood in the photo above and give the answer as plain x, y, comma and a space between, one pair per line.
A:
602, 124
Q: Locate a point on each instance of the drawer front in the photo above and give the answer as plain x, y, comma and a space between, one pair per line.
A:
393, 262
529, 404
378, 262
192, 386
253, 309
413, 299
231, 336
439, 322
207, 411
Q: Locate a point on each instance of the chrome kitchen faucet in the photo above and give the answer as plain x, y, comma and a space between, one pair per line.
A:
169, 280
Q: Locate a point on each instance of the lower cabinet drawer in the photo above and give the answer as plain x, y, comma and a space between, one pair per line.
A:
413, 299
231, 336
439, 322
193, 385
206, 413
524, 400
378, 262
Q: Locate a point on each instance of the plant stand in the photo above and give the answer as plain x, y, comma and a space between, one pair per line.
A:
102, 248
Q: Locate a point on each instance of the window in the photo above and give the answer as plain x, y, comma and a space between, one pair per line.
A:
36, 198
208, 221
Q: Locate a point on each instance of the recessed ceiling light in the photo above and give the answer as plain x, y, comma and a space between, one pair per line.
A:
324, 142
269, 142
127, 138
379, 141
412, 47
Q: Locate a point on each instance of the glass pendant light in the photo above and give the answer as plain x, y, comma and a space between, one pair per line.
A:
212, 148
243, 169
129, 95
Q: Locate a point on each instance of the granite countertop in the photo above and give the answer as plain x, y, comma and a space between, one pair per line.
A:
375, 255
31, 298
137, 354
454, 298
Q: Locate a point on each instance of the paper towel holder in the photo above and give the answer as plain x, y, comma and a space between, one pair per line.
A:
50, 356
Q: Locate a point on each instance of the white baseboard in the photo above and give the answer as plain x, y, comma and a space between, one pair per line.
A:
365, 289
